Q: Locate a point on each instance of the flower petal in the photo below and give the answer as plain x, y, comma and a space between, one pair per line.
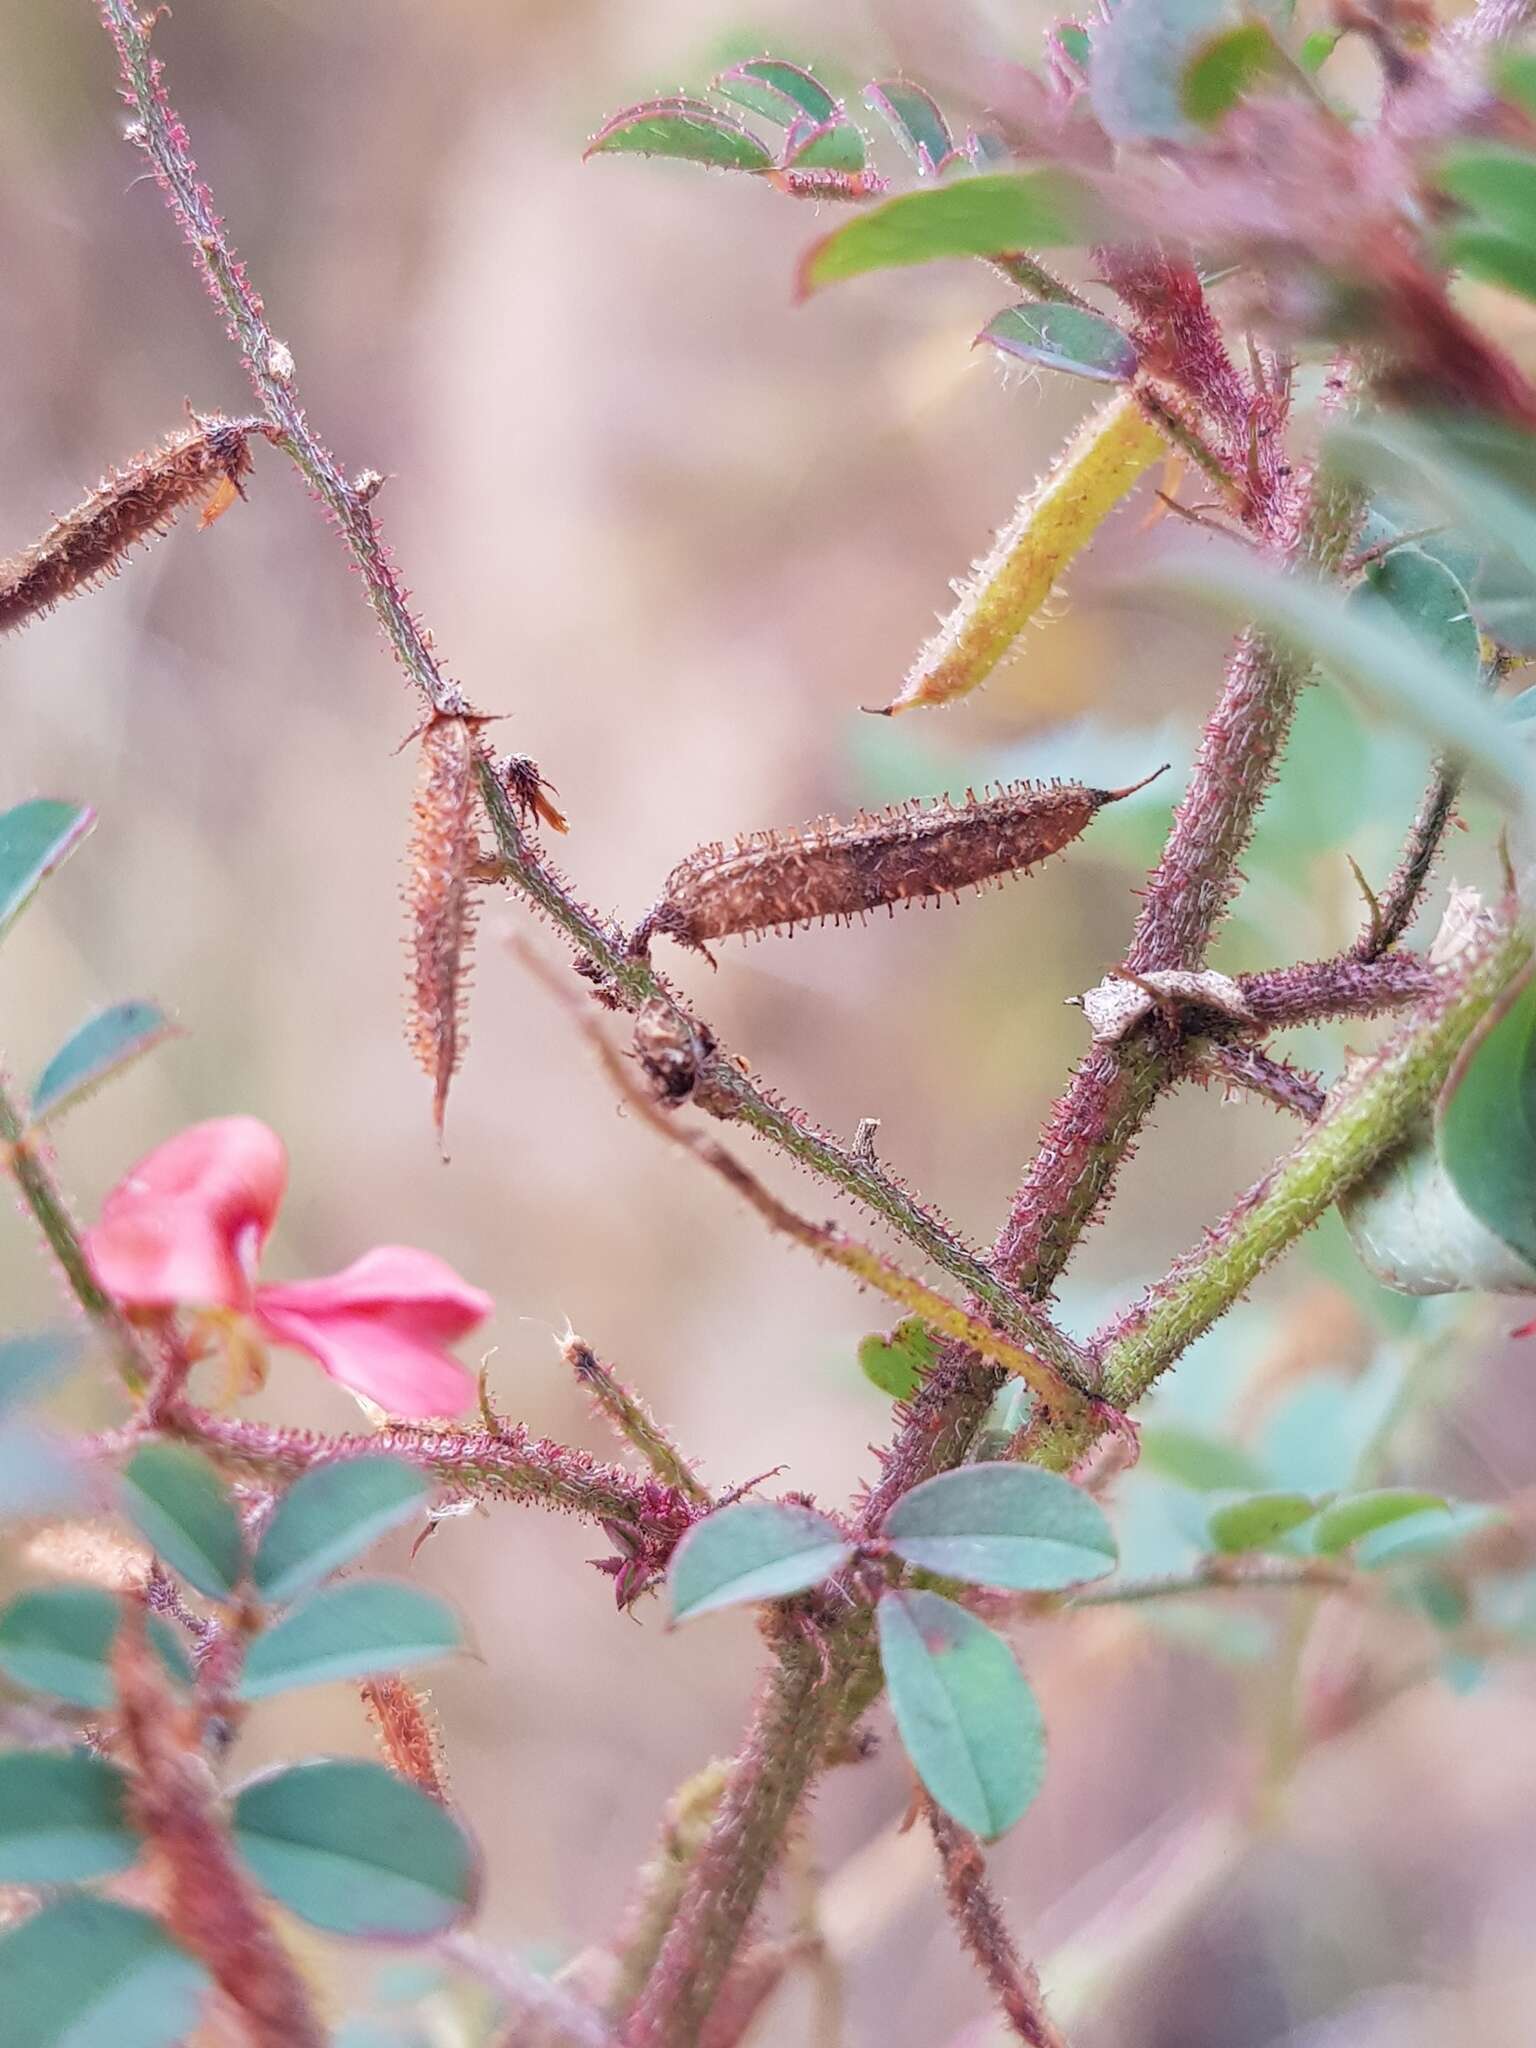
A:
380, 1327
188, 1223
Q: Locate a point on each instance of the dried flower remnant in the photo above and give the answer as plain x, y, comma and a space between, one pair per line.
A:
203, 464
1051, 525
773, 881
442, 860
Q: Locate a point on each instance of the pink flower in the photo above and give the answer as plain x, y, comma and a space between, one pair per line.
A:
186, 1228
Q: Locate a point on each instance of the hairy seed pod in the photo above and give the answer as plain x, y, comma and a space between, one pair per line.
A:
774, 881
439, 865
204, 464
1051, 525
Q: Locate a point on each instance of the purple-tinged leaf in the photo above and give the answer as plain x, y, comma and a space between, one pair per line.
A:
778, 90
102, 1047
687, 129
834, 145
915, 121
1064, 338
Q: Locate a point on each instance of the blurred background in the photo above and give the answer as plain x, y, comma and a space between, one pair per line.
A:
678, 530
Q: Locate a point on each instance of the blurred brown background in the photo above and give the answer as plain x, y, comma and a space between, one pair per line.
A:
678, 531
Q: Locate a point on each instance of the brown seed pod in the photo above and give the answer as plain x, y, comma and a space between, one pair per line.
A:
205, 463
773, 881
671, 1047
441, 859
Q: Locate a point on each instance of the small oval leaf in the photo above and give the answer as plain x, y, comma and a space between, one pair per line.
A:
683, 128
355, 1850
1354, 1515
834, 145
1139, 59
1064, 338
87, 1973
914, 120
63, 1817
37, 1475
781, 91
899, 1362
331, 1515
349, 1631
182, 1508
1417, 1538
35, 838
1223, 69
989, 215
1003, 1525
1205, 1464
102, 1047
753, 1550
1252, 1521
59, 1640
966, 1715
1485, 1122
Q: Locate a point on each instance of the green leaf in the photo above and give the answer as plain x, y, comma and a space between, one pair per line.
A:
1252, 1521
355, 1850
1493, 258
983, 216
87, 1973
1432, 1534
102, 1047
1412, 1231
29, 1365
1139, 60
834, 145
1485, 1122
348, 1631
37, 1474
1205, 1464
753, 1550
1003, 1525
35, 838
1514, 74
1495, 181
1319, 47
899, 1363
1064, 338
331, 1515
689, 129
182, 1508
1223, 69
63, 1817
780, 91
915, 121
59, 1640
1354, 1515
1422, 594
1366, 647
965, 1713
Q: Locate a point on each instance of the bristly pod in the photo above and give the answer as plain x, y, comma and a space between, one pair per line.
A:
774, 881
440, 864
203, 464
1051, 525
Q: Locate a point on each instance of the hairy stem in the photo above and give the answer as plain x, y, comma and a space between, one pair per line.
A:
979, 1922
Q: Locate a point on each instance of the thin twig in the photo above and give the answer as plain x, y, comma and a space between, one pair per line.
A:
979, 1923
631, 1420
1393, 908
1256, 1073
1345, 987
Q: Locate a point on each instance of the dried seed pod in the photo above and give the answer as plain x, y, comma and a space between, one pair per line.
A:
774, 881
442, 858
205, 463
671, 1047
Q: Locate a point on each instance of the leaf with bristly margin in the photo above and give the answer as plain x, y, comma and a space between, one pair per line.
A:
778, 90
1354, 1515
1224, 68
834, 145
102, 1047
691, 130
1204, 1464
63, 1817
1017, 1526
1365, 647
1075, 43
989, 215
88, 1973
355, 1850
1064, 338
753, 1550
963, 1708
35, 838
350, 1630
331, 1515
180, 1506
899, 1362
1139, 60
1253, 1521
1435, 1533
915, 121
58, 1640
30, 1365
1485, 1122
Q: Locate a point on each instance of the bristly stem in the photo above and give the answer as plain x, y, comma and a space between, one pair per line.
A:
631, 1420
1256, 1073
1345, 987
980, 1924
1393, 909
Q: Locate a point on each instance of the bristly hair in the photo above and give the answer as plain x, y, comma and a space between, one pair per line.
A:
775, 881
442, 858
203, 464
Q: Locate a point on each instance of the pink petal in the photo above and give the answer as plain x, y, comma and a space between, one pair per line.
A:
381, 1326
188, 1223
